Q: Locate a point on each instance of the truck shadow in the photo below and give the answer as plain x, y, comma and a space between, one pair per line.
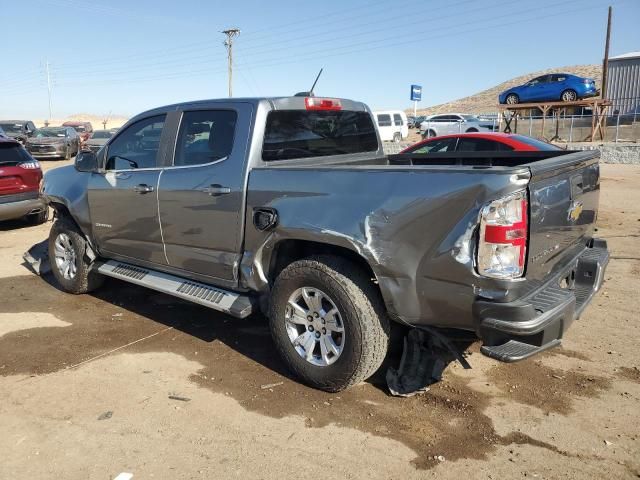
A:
249, 337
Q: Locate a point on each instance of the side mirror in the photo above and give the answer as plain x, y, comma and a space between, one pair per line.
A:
86, 161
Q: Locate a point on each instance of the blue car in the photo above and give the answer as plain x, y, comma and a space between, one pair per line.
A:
551, 88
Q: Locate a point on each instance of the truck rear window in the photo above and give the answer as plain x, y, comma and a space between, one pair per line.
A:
301, 133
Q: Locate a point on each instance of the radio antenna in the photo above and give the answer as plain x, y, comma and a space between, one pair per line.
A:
314, 83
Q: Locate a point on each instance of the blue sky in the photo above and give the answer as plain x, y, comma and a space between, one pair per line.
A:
127, 56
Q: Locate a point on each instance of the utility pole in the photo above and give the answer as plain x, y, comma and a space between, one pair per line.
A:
605, 62
48, 88
231, 34
106, 120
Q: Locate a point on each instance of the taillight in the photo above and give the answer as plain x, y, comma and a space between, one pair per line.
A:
30, 165
502, 246
314, 103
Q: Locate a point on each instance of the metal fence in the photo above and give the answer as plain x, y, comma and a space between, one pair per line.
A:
622, 123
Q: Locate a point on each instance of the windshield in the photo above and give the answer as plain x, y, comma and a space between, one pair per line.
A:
49, 132
79, 128
102, 134
300, 133
12, 127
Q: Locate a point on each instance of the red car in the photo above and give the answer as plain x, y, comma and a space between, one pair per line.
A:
83, 129
480, 142
20, 177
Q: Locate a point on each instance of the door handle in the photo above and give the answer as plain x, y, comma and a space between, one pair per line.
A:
143, 188
216, 190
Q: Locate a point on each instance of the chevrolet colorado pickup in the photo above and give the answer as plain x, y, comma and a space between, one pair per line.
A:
289, 206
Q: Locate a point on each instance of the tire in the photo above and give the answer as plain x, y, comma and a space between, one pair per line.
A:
38, 218
65, 238
429, 134
471, 130
397, 137
512, 99
364, 339
569, 96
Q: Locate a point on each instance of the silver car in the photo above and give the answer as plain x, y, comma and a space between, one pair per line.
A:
452, 123
54, 142
98, 139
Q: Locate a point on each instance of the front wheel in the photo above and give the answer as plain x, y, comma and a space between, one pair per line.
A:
397, 137
512, 99
429, 134
71, 269
328, 322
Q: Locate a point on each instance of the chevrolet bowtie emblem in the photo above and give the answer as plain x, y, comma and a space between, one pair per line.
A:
575, 211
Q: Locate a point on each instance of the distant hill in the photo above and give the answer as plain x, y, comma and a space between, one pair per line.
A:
486, 101
115, 121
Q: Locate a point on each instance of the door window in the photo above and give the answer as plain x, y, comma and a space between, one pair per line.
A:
137, 146
481, 145
205, 136
437, 146
384, 120
397, 120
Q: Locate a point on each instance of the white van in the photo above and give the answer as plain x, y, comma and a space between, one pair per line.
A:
392, 125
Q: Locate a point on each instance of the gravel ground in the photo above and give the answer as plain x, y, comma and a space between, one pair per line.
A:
128, 380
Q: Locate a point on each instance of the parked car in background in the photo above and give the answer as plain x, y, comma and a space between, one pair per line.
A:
392, 125
480, 142
2, 134
417, 121
54, 142
450, 123
98, 139
20, 177
20, 130
83, 129
548, 88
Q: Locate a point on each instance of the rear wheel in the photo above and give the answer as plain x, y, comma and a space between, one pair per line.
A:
70, 267
569, 96
471, 130
512, 99
328, 322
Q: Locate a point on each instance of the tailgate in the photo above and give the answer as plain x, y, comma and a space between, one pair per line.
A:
563, 199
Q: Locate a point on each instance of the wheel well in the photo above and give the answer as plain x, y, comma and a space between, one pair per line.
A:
288, 251
471, 130
61, 211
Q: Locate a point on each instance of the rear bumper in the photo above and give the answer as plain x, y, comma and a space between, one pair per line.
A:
516, 330
13, 210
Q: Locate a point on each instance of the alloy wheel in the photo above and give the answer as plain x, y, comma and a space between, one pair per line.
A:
65, 256
314, 326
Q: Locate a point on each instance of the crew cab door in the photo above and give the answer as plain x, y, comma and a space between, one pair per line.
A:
201, 195
123, 198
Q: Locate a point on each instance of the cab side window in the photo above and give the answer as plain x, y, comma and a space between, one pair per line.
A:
397, 120
205, 136
137, 146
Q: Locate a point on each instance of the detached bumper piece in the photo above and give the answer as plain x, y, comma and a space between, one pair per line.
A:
517, 330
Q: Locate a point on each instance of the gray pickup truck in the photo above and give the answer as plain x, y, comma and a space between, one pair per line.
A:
289, 206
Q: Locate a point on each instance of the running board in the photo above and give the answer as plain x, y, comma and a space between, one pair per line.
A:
209, 296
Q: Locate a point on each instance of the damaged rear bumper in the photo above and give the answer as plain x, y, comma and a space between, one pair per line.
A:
516, 330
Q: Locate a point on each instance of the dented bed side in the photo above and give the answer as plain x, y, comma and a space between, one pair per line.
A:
414, 226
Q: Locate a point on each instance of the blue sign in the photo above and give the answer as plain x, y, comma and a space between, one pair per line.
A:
416, 92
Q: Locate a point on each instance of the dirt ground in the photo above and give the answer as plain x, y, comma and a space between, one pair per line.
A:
128, 380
